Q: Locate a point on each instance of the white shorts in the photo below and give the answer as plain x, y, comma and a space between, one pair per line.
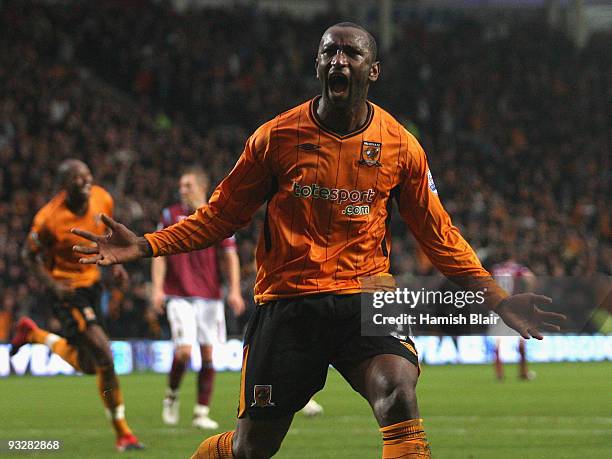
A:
196, 320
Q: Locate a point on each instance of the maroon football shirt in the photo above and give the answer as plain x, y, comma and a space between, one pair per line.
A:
194, 273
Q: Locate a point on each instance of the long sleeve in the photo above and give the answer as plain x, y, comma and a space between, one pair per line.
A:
231, 206
421, 209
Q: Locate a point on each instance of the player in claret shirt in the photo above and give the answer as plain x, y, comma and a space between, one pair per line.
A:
75, 288
513, 277
190, 286
327, 172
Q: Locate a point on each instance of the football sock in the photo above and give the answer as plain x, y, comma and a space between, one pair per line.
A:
523, 371
405, 440
216, 447
206, 377
66, 351
38, 336
499, 365
57, 344
111, 395
176, 374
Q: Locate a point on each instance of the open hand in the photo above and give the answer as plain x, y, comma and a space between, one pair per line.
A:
119, 245
521, 313
236, 303
158, 300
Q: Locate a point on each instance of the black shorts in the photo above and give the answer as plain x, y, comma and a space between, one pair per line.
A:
78, 311
289, 345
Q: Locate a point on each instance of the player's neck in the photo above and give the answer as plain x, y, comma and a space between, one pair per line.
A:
77, 206
193, 206
342, 120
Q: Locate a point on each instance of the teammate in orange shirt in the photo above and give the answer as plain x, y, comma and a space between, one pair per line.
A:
327, 171
75, 288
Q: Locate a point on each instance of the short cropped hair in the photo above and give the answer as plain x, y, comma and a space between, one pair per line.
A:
199, 173
66, 169
372, 46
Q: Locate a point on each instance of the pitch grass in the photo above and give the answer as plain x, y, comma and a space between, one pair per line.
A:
565, 413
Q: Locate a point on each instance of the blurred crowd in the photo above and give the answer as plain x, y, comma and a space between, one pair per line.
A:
515, 120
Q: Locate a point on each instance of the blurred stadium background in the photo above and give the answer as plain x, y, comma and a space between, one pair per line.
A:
510, 98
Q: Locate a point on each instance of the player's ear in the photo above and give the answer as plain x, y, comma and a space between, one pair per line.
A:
317, 67
374, 71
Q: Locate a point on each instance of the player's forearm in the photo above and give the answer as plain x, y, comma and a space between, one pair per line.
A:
158, 273
43, 276
202, 229
233, 271
492, 293
35, 264
454, 258
230, 207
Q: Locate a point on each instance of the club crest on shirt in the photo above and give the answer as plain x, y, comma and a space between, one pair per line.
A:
262, 394
370, 153
89, 313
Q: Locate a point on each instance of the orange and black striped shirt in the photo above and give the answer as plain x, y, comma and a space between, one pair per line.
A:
327, 200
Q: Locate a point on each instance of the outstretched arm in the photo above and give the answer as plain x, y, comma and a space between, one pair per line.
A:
422, 210
234, 294
158, 274
33, 260
231, 206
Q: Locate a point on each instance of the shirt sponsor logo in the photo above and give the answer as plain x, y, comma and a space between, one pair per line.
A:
338, 196
352, 210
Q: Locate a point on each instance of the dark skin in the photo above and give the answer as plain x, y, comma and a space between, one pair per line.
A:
94, 349
77, 181
345, 66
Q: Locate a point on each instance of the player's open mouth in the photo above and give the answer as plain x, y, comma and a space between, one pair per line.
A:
85, 190
338, 84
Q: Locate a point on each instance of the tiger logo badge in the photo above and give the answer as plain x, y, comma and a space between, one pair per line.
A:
262, 394
370, 153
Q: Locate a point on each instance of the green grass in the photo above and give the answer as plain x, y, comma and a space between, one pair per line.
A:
564, 413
